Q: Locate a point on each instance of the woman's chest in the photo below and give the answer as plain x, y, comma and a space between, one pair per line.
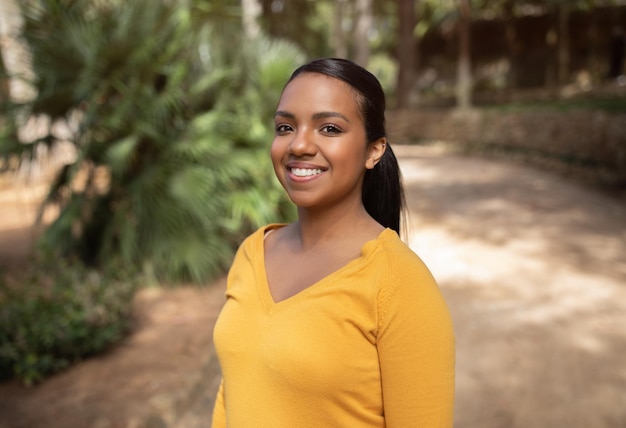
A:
286, 275
324, 339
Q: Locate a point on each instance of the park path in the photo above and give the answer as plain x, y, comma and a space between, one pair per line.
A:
534, 270
532, 266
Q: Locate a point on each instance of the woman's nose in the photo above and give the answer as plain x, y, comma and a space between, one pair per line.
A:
302, 143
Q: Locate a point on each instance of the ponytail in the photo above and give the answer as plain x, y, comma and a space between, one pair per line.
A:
383, 194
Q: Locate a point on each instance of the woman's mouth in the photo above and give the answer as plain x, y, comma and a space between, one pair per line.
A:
305, 172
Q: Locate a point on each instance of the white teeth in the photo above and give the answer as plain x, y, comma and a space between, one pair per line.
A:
303, 172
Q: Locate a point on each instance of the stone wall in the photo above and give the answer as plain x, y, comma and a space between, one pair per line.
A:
596, 139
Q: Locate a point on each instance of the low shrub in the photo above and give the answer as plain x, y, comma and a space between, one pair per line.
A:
58, 315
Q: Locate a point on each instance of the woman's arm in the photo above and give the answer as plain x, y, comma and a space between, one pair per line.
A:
219, 412
416, 351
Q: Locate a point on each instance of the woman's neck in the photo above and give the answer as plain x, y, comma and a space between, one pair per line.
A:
320, 227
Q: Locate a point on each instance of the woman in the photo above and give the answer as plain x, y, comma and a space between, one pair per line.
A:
332, 321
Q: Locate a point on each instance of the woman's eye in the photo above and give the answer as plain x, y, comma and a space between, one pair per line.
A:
282, 128
330, 129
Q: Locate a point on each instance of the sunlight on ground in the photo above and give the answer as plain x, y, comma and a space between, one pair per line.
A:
523, 287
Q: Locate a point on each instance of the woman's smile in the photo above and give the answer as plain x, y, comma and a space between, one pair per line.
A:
304, 172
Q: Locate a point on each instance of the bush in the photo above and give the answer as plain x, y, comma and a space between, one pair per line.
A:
58, 315
169, 111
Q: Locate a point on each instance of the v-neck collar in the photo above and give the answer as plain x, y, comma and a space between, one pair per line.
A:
261, 274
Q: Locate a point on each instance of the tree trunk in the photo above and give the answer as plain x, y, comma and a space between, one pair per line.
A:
464, 68
361, 37
251, 10
406, 52
551, 66
512, 44
563, 47
592, 56
15, 55
339, 37
5, 92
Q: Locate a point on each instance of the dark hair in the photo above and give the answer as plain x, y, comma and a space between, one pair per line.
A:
382, 195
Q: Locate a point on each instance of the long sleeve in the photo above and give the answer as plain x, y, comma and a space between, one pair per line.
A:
219, 412
416, 351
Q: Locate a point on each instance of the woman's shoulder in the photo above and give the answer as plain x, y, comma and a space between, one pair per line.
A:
260, 234
250, 250
403, 267
398, 252
407, 284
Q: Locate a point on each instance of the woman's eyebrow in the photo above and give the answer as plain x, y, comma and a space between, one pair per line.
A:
316, 116
329, 114
286, 114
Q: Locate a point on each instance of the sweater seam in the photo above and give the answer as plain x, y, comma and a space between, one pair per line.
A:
386, 291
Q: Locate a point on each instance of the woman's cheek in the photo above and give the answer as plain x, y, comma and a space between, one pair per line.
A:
276, 154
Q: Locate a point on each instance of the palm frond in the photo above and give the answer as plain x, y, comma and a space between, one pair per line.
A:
177, 110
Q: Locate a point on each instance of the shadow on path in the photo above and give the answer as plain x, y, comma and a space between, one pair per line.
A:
534, 271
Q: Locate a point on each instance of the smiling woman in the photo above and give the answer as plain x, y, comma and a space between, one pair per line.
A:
320, 152
332, 320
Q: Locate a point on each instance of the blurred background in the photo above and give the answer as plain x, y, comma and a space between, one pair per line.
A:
134, 141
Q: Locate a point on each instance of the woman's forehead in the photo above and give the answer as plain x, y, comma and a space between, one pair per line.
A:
316, 90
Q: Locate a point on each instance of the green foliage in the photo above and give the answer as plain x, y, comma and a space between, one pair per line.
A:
608, 104
386, 70
170, 118
58, 315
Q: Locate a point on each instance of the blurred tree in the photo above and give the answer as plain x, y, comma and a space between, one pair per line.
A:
564, 37
5, 93
4, 79
9, 19
169, 111
406, 52
12, 57
464, 67
340, 48
556, 58
353, 29
251, 12
558, 37
512, 42
298, 21
362, 29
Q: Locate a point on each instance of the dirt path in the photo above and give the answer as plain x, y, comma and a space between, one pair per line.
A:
534, 270
532, 266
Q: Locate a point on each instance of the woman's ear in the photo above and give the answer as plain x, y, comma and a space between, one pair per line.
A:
375, 152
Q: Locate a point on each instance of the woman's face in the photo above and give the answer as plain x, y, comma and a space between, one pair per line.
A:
320, 150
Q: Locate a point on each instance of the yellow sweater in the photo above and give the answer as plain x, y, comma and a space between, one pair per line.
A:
370, 345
